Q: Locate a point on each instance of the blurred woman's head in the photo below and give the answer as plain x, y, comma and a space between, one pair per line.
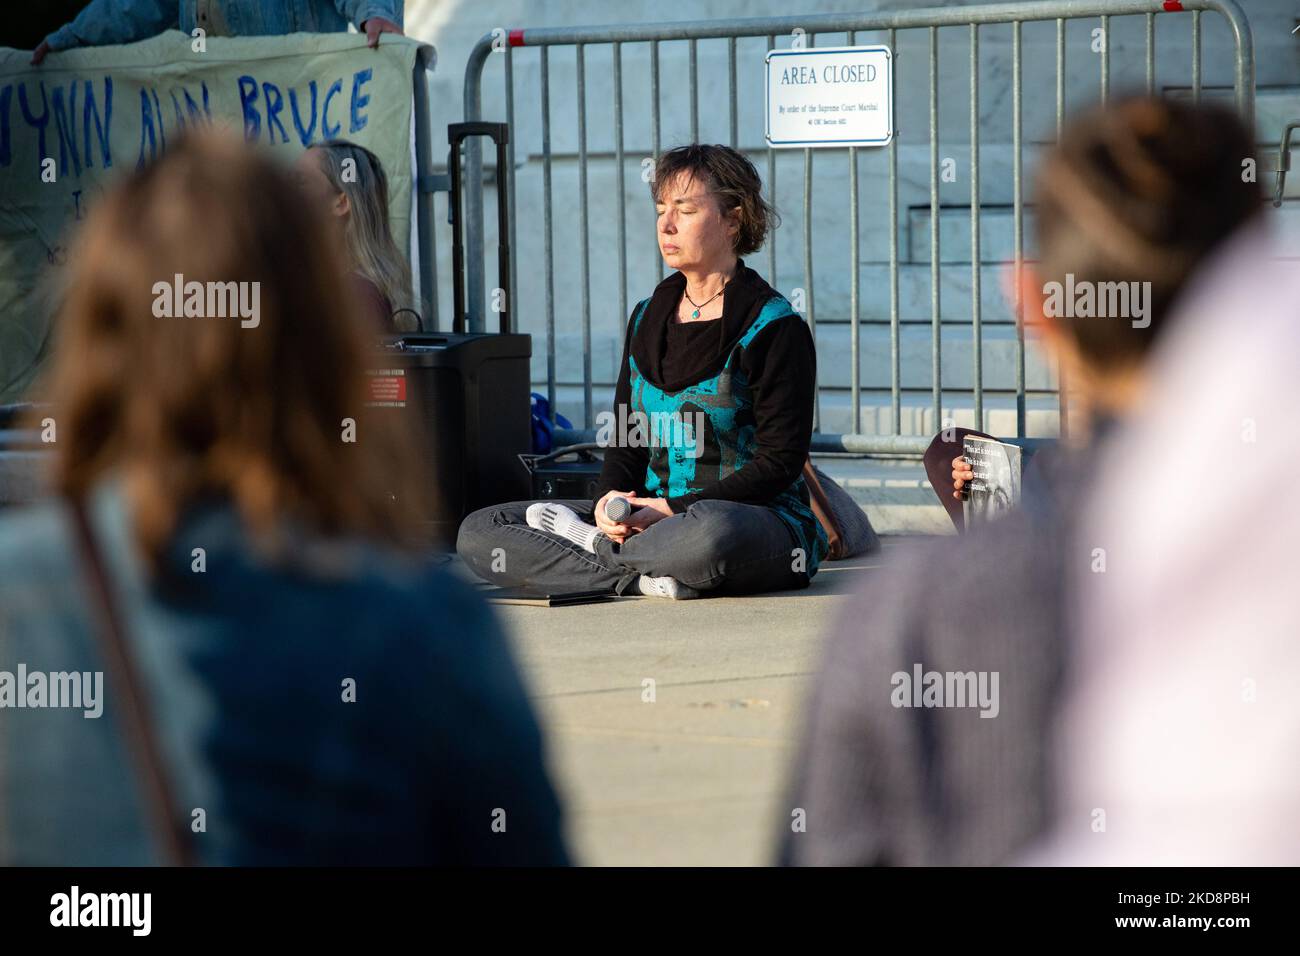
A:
710, 206
349, 182
1135, 197
184, 408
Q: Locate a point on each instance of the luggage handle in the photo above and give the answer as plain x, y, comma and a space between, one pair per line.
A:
456, 135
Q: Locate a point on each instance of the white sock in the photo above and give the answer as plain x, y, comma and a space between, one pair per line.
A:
564, 521
665, 587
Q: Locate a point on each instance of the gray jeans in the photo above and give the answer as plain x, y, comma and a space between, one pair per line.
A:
719, 546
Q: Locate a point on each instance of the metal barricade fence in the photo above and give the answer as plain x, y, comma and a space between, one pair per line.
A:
888, 23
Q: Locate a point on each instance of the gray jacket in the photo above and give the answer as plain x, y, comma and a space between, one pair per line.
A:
882, 781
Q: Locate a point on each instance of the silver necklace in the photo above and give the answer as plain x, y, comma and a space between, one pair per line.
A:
700, 305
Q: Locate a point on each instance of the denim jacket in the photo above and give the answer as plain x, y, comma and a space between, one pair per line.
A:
244, 667
105, 22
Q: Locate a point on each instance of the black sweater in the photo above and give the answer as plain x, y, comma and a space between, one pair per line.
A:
780, 364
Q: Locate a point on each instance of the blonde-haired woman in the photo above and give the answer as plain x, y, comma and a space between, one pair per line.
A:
349, 182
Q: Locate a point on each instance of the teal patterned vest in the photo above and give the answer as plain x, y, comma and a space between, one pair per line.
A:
728, 440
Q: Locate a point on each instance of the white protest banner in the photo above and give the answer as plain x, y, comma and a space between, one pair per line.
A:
70, 125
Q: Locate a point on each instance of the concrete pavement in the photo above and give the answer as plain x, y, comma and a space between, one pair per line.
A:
697, 776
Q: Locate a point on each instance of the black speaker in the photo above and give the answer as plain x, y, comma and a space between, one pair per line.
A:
465, 396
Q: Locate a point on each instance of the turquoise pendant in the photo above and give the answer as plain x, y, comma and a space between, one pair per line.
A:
695, 314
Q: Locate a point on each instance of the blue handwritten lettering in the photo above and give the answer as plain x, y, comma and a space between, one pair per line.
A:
304, 135
274, 105
335, 87
197, 113
359, 102
102, 129
247, 97
39, 122
150, 129
65, 129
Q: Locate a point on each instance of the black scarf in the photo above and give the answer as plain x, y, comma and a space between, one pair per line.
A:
745, 297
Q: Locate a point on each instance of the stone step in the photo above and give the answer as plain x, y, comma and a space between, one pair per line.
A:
997, 223
916, 411
835, 357
998, 348
1274, 108
894, 493
829, 212
831, 300
831, 275
1286, 218
997, 234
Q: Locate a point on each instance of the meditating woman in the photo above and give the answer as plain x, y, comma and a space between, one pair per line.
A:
725, 369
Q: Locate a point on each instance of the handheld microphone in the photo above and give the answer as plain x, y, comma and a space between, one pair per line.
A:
617, 510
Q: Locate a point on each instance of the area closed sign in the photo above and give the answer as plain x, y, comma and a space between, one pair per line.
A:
836, 96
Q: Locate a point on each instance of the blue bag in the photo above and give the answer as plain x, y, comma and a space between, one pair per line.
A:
543, 434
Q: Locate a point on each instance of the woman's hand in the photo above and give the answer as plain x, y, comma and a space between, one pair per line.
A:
649, 510
615, 531
961, 476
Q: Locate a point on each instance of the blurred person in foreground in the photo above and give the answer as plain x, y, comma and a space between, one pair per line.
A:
349, 182
1179, 735
106, 22
928, 733
308, 680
